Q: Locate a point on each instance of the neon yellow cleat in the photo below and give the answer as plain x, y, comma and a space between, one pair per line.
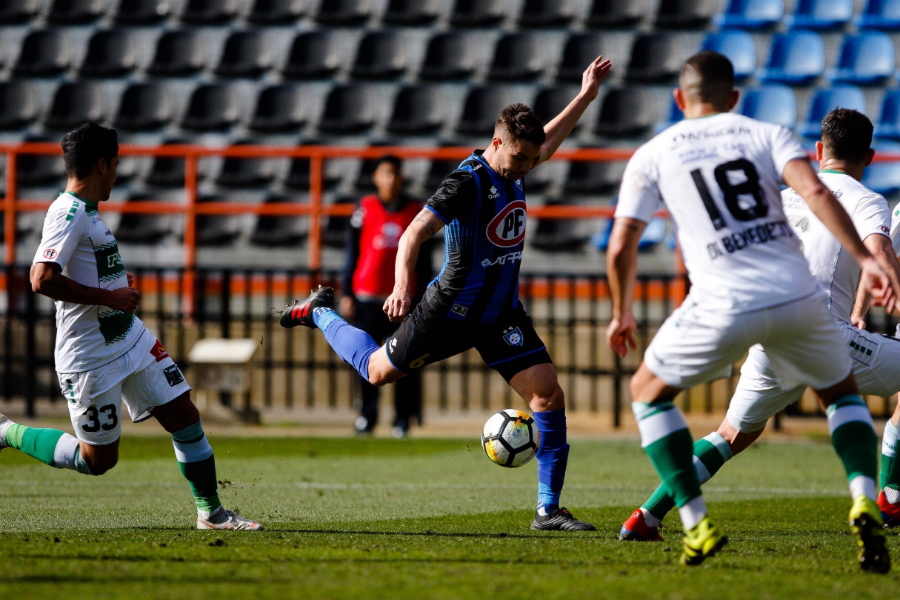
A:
701, 542
867, 526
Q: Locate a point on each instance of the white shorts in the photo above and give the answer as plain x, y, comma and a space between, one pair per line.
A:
144, 377
876, 367
696, 345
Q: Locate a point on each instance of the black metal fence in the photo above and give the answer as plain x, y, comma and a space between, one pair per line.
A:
295, 369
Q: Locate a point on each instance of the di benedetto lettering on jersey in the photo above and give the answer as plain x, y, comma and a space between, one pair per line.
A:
720, 179
76, 238
484, 216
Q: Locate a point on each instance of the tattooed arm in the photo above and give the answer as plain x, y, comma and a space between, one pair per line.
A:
423, 227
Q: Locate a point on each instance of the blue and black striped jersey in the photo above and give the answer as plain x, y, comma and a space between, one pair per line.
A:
484, 215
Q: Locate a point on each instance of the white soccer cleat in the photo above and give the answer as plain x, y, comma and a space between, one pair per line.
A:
227, 520
5, 422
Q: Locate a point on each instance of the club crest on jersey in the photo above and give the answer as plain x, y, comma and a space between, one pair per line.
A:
507, 229
513, 336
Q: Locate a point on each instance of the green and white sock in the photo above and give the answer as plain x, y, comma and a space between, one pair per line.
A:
710, 453
854, 439
50, 446
890, 470
198, 465
667, 440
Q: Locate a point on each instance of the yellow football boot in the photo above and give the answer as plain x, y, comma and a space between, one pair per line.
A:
867, 526
701, 542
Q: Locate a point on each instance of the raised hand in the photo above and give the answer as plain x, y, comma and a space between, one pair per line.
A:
594, 75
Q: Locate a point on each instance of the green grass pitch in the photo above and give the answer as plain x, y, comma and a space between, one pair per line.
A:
350, 518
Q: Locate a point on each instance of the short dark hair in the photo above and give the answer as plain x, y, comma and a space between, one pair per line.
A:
708, 76
847, 134
521, 122
86, 145
391, 160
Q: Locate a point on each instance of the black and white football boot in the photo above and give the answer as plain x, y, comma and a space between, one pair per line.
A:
559, 520
300, 313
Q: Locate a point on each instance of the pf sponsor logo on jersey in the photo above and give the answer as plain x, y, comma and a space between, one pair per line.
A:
513, 336
159, 351
507, 229
50, 253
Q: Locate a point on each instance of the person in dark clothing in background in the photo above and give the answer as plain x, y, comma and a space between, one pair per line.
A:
368, 280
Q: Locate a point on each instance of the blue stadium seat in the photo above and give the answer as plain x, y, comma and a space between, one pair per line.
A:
827, 99
771, 103
888, 126
880, 14
675, 115
752, 14
865, 59
738, 46
796, 58
821, 14
883, 177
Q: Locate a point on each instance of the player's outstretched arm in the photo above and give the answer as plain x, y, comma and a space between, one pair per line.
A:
621, 264
47, 279
799, 174
882, 249
562, 125
423, 227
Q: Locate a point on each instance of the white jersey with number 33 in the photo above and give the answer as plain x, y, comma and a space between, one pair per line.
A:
720, 179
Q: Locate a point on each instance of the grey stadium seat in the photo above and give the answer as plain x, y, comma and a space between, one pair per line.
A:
144, 107
44, 53
517, 56
411, 12
279, 108
482, 106
380, 55
275, 12
18, 107
138, 228
178, 53
626, 112
209, 12
477, 13
110, 54
348, 109
245, 172
449, 56
70, 12
546, 13
682, 14
40, 170
142, 12
579, 51
215, 230
18, 11
74, 104
551, 101
278, 231
212, 107
418, 110
167, 171
614, 14
655, 58
313, 55
245, 55
343, 12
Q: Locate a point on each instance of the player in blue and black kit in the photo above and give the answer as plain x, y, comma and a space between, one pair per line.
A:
474, 301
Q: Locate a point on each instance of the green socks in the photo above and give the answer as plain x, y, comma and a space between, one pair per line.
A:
890, 469
854, 439
198, 465
50, 446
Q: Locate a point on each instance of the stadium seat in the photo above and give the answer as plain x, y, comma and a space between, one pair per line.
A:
626, 112
279, 108
380, 55
342, 12
72, 12
880, 14
334, 234
142, 12
167, 171
18, 11
245, 172
139, 228
40, 170
43, 54
109, 54
546, 13
821, 14
313, 55
888, 126
245, 55
559, 235
18, 106
212, 107
579, 51
681, 14
797, 58
215, 230
675, 115
549, 102
477, 13
772, 104
883, 177
438, 170
517, 57
411, 12
144, 107
827, 99
449, 56
655, 57
865, 59
614, 14
738, 46
298, 176
178, 53
209, 12
278, 231
752, 14
653, 234
348, 109
591, 177
275, 12
74, 104
481, 108
418, 110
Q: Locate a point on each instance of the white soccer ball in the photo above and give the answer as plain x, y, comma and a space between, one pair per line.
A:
510, 438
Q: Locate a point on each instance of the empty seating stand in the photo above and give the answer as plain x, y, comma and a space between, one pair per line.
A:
343, 13
738, 46
826, 100
682, 14
178, 53
752, 14
880, 14
418, 110
449, 56
579, 51
614, 14
546, 13
109, 54
411, 13
866, 59
883, 177
71, 12
771, 103
142, 12
380, 55
138, 228
626, 112
655, 58
212, 107
278, 231
144, 107
313, 55
275, 12
246, 54
517, 57
74, 104
349, 109
237, 172
888, 125
557, 234
482, 106
209, 12
214, 230
477, 13
796, 58
279, 108
44, 54
549, 102
822, 14
18, 106
18, 11
167, 171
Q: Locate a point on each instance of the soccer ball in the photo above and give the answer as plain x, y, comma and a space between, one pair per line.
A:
510, 438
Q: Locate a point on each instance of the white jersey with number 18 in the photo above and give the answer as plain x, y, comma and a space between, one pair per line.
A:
720, 179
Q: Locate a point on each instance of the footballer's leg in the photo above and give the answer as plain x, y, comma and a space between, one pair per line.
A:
889, 498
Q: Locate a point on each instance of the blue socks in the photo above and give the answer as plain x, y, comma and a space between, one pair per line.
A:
353, 345
552, 457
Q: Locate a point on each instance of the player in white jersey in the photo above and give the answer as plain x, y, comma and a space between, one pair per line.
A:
104, 354
843, 155
719, 174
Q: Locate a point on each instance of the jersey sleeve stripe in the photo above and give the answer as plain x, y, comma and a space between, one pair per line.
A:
439, 215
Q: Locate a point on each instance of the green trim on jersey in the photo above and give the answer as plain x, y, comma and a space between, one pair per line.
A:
115, 325
109, 262
835, 171
87, 203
